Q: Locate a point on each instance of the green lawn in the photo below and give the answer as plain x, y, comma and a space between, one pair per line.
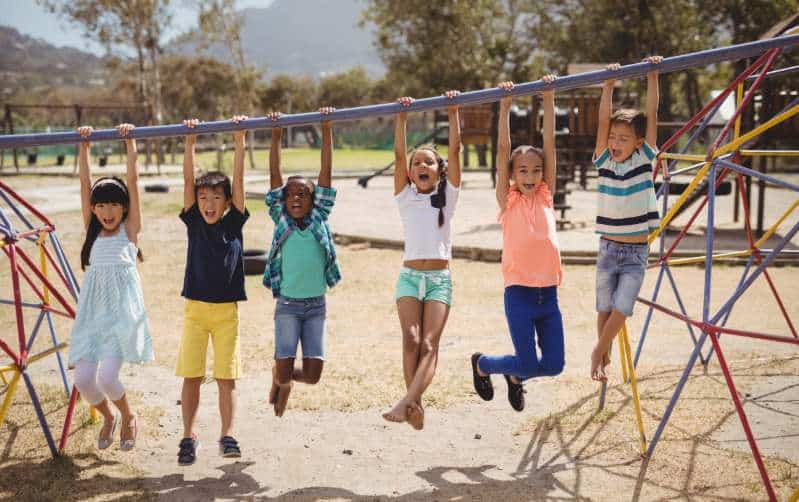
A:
293, 159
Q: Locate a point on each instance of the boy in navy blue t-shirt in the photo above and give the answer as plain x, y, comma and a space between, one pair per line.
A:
214, 214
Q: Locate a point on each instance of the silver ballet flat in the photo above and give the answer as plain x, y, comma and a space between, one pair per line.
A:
103, 443
128, 444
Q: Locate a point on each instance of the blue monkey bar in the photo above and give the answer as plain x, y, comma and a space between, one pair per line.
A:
670, 64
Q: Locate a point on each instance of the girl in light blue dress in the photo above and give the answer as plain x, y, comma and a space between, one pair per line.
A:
111, 324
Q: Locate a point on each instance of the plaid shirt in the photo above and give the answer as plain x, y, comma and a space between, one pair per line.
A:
316, 221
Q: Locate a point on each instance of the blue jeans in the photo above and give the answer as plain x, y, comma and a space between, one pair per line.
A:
532, 313
620, 269
300, 321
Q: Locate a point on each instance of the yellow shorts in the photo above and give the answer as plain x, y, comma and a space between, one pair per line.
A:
221, 322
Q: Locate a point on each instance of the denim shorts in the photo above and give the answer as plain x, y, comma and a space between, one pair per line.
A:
620, 271
425, 285
300, 321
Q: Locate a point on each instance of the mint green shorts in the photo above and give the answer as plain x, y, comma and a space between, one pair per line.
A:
425, 285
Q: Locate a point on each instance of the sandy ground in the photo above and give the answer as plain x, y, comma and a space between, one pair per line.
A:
332, 443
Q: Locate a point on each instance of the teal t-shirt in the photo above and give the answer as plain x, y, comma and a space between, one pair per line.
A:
303, 266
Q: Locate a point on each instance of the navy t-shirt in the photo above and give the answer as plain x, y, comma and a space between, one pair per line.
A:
215, 257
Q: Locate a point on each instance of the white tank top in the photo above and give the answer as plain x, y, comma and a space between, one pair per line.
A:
424, 239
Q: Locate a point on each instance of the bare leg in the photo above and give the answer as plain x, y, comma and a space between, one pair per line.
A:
227, 404
601, 319
108, 418
128, 422
285, 372
189, 402
609, 331
310, 372
410, 312
435, 317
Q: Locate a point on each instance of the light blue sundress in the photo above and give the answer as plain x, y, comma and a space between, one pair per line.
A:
111, 320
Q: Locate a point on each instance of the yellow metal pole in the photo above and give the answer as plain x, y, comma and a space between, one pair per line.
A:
625, 341
43, 260
679, 202
701, 259
723, 150
12, 387
770, 153
622, 355
776, 225
683, 156
757, 131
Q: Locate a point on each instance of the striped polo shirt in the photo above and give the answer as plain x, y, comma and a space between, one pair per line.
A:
627, 200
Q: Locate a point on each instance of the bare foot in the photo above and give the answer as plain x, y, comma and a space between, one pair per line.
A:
416, 416
399, 413
282, 399
597, 368
275, 388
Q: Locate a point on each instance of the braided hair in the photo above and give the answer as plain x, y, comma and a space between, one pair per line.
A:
438, 199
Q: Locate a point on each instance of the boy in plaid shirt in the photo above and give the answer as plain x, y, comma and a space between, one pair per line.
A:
302, 265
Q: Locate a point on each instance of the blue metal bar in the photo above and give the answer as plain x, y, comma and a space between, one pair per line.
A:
24, 304
645, 328
15, 208
776, 73
670, 64
35, 330
710, 233
40, 413
757, 174
683, 310
58, 353
74, 288
727, 315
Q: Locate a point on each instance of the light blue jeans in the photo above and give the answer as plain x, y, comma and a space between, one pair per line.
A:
620, 269
300, 321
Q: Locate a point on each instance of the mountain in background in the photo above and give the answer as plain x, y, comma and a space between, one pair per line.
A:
27, 64
311, 37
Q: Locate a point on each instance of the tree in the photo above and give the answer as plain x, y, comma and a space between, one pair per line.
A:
125, 24
348, 88
221, 22
429, 47
288, 94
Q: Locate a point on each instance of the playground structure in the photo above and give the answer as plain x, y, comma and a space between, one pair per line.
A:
709, 170
40, 277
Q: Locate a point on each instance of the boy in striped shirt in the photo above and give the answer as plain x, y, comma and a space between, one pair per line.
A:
627, 211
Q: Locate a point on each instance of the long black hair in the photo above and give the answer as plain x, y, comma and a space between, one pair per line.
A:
438, 199
108, 189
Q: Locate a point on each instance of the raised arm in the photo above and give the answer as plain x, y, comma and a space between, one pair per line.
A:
454, 153
84, 151
550, 159
275, 178
503, 147
238, 166
189, 197
326, 168
133, 222
652, 99
401, 148
605, 110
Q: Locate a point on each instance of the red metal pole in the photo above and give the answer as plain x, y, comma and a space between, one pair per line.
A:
744, 421
11, 250
73, 398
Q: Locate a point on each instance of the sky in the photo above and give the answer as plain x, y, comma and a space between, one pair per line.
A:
29, 18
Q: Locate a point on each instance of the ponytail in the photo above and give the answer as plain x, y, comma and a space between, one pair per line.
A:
439, 199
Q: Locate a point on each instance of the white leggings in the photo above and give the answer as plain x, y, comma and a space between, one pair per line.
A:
95, 385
